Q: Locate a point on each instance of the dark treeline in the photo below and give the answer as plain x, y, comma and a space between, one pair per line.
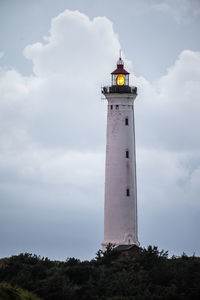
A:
146, 274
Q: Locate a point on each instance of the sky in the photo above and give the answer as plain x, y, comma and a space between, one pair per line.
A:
54, 58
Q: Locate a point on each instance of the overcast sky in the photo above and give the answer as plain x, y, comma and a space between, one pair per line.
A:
54, 57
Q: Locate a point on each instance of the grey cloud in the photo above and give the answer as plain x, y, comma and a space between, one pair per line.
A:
52, 146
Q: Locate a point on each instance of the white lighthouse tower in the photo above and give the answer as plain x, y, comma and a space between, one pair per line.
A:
120, 207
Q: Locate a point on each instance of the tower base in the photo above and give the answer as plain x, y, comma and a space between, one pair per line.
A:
118, 245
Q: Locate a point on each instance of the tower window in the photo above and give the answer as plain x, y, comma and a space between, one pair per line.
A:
126, 121
127, 154
127, 192
117, 106
111, 107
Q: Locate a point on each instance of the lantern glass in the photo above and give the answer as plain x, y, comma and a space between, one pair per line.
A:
120, 79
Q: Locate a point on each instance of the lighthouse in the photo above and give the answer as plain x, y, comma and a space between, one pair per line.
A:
120, 206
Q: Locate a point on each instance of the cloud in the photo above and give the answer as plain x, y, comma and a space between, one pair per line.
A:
53, 128
167, 136
1, 54
179, 9
173, 106
73, 35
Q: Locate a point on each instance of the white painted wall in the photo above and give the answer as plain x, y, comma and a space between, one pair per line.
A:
120, 210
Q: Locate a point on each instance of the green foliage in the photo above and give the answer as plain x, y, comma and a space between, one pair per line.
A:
141, 275
8, 292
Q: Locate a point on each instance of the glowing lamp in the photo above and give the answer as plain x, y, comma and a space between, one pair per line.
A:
120, 79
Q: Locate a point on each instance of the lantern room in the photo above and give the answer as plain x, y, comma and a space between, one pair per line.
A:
119, 81
120, 76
